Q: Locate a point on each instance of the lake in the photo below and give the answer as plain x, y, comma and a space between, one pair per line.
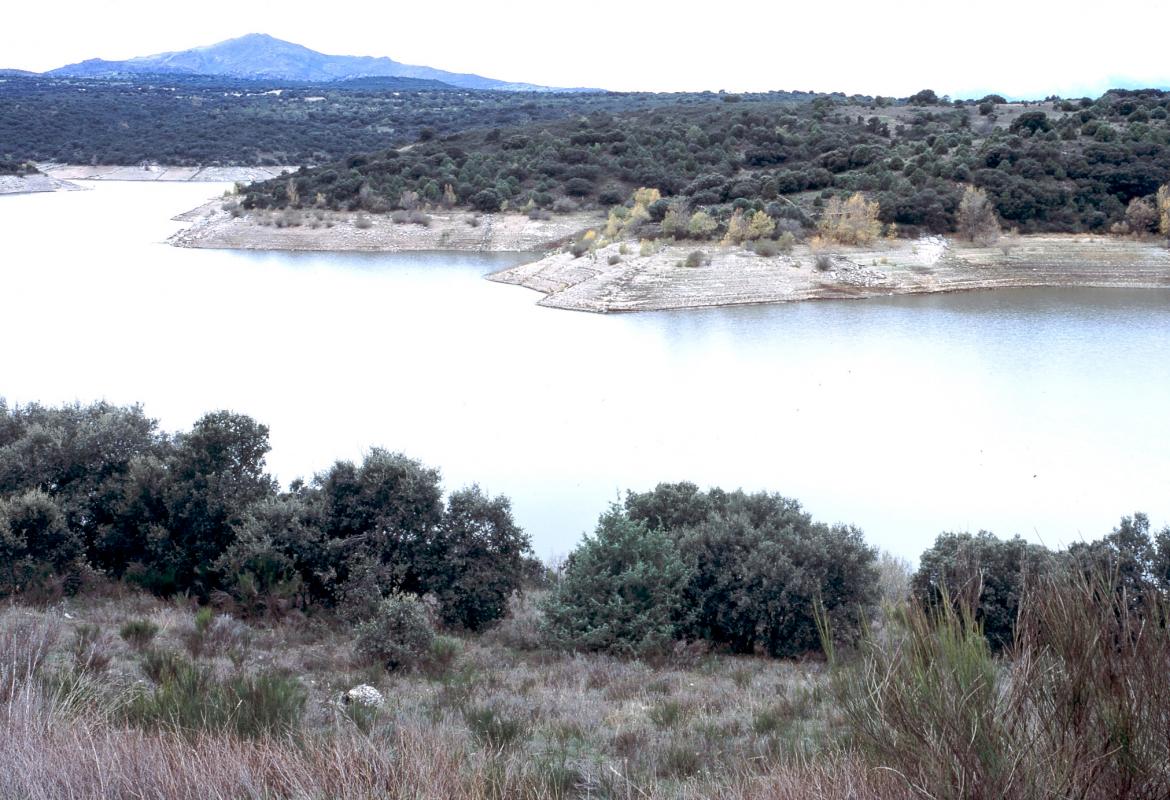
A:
1039, 412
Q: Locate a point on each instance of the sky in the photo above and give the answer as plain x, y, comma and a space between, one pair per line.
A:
1019, 49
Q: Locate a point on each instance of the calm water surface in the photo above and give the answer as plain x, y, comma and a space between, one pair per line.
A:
1039, 412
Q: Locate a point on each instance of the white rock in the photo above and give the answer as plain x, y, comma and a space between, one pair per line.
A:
365, 695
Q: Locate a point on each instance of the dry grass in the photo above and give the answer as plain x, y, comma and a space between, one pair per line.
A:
1080, 709
505, 720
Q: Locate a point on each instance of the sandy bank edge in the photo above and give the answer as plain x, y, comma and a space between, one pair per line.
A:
30, 184
213, 226
735, 276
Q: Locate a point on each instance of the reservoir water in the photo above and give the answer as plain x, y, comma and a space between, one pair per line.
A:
1039, 412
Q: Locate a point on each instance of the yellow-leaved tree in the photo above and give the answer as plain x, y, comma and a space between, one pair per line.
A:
976, 219
1163, 200
852, 221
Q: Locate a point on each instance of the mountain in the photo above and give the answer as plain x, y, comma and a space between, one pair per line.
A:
260, 56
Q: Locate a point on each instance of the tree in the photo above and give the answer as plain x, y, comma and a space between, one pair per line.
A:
853, 221
701, 225
1163, 203
382, 513
976, 218
1141, 216
1031, 122
79, 455
476, 559
926, 97
620, 592
216, 474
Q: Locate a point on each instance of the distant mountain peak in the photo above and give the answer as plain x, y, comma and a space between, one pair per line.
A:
261, 56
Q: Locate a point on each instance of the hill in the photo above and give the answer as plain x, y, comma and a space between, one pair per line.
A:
1058, 166
260, 56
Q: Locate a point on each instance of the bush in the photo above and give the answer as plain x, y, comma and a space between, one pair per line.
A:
189, 699
981, 573
766, 248
758, 567
138, 633
399, 636
620, 593
697, 258
701, 225
36, 544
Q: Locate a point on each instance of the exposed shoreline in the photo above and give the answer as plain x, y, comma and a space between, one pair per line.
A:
59, 177
214, 226
736, 276
660, 280
34, 184
160, 173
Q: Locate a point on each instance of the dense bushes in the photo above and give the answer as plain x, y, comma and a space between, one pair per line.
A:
991, 577
988, 575
745, 572
1040, 170
99, 486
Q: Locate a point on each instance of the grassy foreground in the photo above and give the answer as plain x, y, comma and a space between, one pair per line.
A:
129, 696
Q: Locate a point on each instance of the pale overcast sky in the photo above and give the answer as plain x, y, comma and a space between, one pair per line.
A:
1013, 47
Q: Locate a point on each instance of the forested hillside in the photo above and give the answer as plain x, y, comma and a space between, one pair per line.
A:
1054, 166
192, 121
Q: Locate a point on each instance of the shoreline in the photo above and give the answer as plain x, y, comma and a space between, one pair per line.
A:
660, 279
36, 184
218, 225
56, 177
734, 276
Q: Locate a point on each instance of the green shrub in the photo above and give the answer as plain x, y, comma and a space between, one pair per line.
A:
443, 653
757, 567
138, 633
399, 636
161, 666
982, 573
1079, 710
697, 258
191, 699
36, 544
620, 593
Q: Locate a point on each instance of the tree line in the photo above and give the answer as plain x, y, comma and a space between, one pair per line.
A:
99, 490
97, 493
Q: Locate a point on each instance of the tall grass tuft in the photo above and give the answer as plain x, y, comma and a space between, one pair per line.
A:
1078, 707
190, 699
25, 641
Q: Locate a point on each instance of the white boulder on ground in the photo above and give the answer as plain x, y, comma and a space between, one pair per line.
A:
365, 695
